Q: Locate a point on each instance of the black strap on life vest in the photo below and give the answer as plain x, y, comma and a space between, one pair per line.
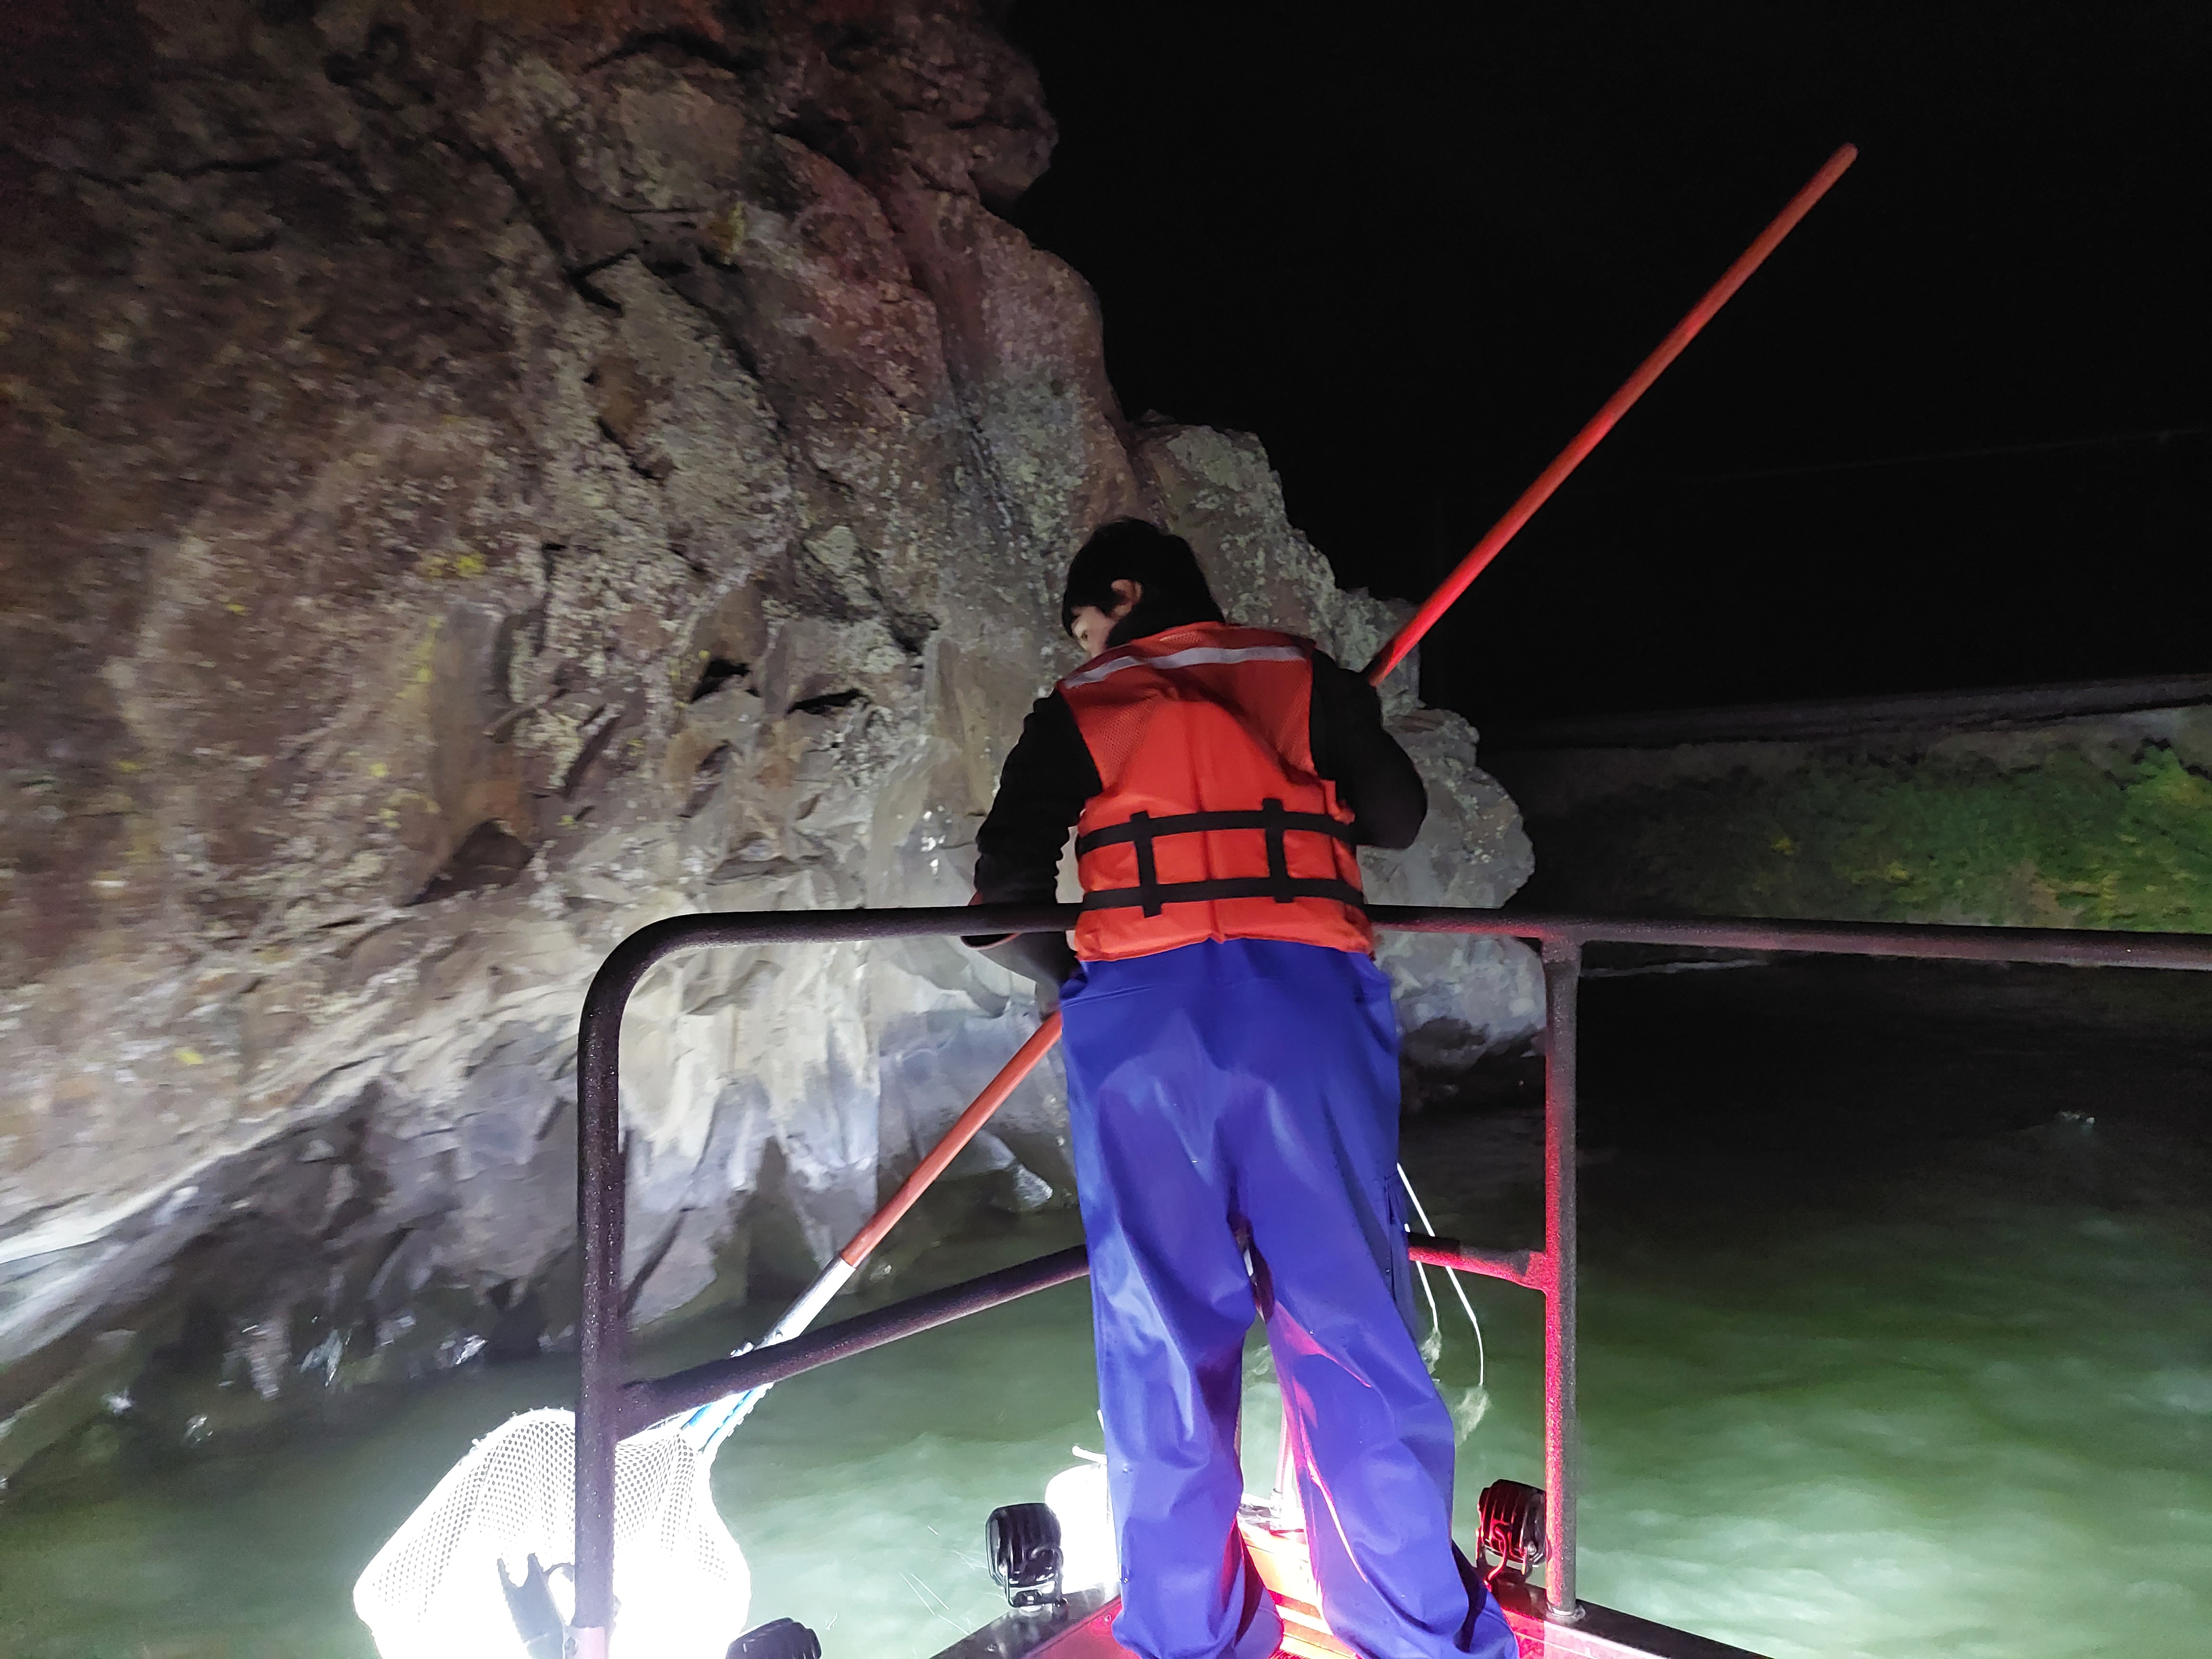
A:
1152, 894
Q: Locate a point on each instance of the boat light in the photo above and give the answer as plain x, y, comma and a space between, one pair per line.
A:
779, 1639
1022, 1543
1512, 1525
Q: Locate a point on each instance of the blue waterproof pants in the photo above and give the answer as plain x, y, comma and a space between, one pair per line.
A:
1253, 1084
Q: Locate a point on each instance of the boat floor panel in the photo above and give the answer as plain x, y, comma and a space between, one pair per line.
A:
1602, 1633
1082, 1627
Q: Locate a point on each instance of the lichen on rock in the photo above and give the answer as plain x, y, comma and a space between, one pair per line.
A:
487, 478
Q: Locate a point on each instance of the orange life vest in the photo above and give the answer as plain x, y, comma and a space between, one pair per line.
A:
1211, 824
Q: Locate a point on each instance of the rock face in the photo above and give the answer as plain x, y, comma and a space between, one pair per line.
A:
484, 478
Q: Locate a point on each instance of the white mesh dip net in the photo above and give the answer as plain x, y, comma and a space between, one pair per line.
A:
681, 1588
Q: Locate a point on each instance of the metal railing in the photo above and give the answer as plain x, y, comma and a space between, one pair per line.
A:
611, 1405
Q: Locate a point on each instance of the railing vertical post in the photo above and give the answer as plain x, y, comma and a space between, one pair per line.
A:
602, 1333
1563, 963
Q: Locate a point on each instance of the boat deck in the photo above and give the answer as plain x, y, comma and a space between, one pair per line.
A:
1082, 1628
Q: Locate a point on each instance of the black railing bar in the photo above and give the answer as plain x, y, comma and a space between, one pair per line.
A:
1930, 941
680, 935
645, 1403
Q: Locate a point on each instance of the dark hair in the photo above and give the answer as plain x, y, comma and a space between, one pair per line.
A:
1175, 590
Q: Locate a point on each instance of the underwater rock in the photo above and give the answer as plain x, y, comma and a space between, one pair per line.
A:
481, 486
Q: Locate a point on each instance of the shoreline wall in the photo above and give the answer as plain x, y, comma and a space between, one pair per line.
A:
2011, 816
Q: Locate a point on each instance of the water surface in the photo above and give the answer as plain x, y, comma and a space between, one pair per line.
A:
1897, 1338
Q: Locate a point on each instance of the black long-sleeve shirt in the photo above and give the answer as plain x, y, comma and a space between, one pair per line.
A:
1051, 774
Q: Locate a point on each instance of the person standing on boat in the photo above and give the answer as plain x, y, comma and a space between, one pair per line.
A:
1233, 1083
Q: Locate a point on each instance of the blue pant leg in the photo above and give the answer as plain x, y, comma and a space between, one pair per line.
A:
1318, 1179
1172, 1300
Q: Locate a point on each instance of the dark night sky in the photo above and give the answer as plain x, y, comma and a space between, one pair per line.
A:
1414, 247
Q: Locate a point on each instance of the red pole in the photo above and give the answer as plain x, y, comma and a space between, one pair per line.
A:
1604, 421
1407, 637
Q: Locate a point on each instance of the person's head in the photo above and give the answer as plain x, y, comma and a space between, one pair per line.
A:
1131, 579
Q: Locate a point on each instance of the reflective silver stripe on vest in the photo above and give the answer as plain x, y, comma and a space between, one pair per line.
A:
1198, 656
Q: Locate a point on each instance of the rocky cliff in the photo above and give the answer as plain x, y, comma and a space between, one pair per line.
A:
483, 477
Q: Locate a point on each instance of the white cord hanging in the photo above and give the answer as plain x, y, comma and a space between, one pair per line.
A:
1481, 1353
1433, 1346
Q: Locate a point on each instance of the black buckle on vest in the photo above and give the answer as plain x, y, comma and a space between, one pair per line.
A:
1279, 859
1148, 869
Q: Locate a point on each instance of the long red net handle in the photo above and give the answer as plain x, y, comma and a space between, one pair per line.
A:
1401, 644
1606, 419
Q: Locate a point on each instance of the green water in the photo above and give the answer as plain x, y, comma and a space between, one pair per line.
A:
1917, 1393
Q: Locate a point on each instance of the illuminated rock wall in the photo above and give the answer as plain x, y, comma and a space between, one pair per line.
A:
482, 479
